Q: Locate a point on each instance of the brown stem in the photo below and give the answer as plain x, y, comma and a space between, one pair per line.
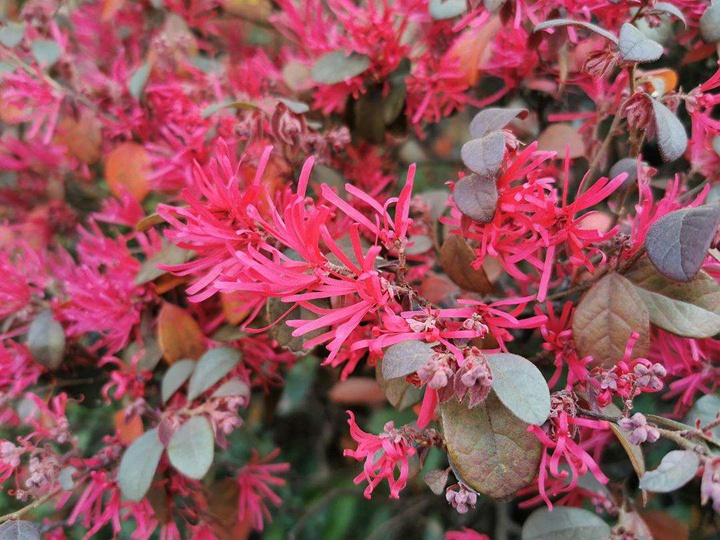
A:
36, 503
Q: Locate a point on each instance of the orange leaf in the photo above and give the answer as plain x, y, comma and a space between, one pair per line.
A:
179, 335
128, 431
556, 137
82, 137
357, 391
110, 8
128, 167
232, 305
473, 49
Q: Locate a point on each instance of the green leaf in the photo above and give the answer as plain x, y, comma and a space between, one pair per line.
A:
677, 243
606, 317
170, 254
710, 24
175, 377
490, 448
676, 469
212, 366
232, 388
192, 447
635, 47
520, 387
400, 393
689, 309
139, 79
46, 52
337, 66
564, 523
633, 451
554, 23
405, 358
12, 33
436, 480
46, 340
446, 9
19, 530
706, 410
138, 465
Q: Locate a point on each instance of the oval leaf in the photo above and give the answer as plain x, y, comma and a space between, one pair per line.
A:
337, 66
19, 530
706, 409
212, 366
138, 465
179, 335
678, 243
46, 52
127, 168
192, 447
446, 9
633, 451
635, 47
554, 23
169, 255
436, 480
456, 258
564, 523
672, 139
520, 387
710, 24
12, 33
493, 119
625, 165
676, 469
671, 9
232, 388
557, 137
490, 448
400, 393
689, 309
605, 319
484, 155
46, 340
175, 377
476, 197
405, 358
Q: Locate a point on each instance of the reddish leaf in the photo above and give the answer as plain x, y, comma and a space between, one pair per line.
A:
127, 167
605, 319
490, 448
456, 257
127, 431
556, 138
357, 391
493, 119
179, 336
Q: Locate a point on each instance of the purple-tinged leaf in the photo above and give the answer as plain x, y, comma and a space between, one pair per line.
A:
706, 409
625, 165
690, 309
484, 155
337, 66
554, 23
490, 449
672, 139
192, 448
520, 386
232, 388
564, 523
493, 119
635, 47
676, 469
710, 24
678, 243
606, 317
476, 197
405, 358
667, 7
16, 529
436, 480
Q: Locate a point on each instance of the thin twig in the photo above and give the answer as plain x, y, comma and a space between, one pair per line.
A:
35, 504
